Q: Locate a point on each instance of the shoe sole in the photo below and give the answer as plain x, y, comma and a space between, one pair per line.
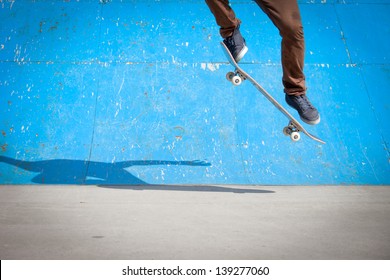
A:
241, 54
317, 121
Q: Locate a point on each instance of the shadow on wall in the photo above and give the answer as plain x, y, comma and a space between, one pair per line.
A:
64, 171
110, 175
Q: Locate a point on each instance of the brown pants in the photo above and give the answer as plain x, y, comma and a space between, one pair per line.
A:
286, 17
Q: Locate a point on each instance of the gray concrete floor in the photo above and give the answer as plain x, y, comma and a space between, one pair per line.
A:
194, 222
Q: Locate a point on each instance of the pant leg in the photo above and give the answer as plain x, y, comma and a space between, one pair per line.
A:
286, 17
224, 16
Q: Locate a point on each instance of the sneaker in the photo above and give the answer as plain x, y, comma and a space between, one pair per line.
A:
306, 110
236, 45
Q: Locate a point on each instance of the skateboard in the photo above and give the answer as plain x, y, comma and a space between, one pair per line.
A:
293, 128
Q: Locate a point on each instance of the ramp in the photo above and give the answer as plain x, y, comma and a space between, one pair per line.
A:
134, 92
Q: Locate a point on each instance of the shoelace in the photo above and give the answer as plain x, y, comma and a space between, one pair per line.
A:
230, 40
304, 103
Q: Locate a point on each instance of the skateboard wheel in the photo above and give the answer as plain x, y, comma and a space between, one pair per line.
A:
295, 136
236, 81
230, 76
287, 131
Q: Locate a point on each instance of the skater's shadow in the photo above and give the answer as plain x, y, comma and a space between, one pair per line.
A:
64, 171
109, 175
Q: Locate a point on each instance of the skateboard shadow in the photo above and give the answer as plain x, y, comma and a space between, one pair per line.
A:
187, 188
108, 175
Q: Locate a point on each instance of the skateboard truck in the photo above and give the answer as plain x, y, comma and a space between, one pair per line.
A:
235, 78
292, 131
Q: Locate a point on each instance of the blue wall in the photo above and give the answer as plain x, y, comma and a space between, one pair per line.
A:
134, 92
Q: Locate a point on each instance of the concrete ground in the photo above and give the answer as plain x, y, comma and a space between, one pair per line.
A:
194, 222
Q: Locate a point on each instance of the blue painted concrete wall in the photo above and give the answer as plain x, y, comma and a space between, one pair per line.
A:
134, 92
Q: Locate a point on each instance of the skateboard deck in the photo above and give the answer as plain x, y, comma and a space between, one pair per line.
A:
294, 128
